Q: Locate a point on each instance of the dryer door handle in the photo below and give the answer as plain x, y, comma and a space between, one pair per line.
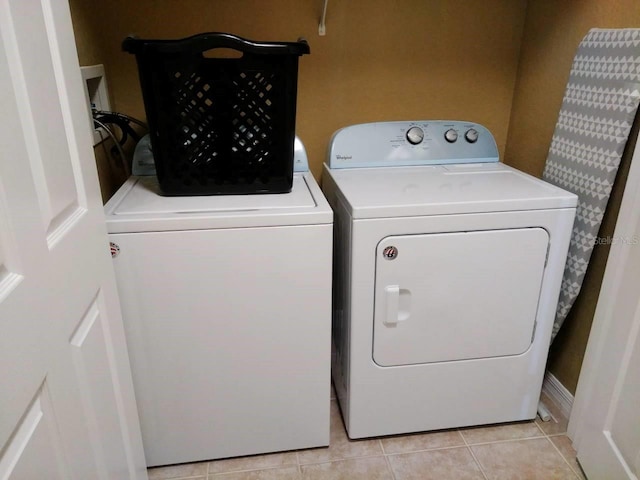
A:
396, 304
392, 300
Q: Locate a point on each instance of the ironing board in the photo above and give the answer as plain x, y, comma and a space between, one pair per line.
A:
598, 110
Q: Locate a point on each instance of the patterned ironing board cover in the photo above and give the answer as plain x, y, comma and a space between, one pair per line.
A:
597, 113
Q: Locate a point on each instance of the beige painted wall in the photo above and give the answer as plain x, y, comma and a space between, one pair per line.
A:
552, 33
396, 60
91, 52
380, 59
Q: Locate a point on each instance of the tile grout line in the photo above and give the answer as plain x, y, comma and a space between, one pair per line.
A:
553, 417
386, 459
247, 470
557, 419
473, 455
542, 429
564, 458
424, 450
232, 472
393, 474
341, 459
190, 477
466, 444
382, 446
506, 440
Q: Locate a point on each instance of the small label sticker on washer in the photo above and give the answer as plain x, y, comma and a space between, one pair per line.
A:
115, 249
390, 252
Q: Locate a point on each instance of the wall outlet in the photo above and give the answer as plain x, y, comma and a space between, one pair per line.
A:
96, 95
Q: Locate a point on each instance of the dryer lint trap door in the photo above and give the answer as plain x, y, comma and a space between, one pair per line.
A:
455, 296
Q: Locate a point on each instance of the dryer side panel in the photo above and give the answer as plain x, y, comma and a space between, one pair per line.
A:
457, 296
341, 315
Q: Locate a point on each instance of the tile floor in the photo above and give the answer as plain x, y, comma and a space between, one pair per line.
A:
523, 450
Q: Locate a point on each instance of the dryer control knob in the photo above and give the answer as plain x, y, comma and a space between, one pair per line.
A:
415, 135
471, 136
451, 135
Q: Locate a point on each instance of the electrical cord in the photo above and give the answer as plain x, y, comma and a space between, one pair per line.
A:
123, 116
122, 121
127, 169
106, 120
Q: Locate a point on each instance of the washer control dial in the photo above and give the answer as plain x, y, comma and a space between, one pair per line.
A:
451, 135
415, 135
471, 136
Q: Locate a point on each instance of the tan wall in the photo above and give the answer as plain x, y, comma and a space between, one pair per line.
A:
91, 52
552, 33
85, 26
380, 59
393, 60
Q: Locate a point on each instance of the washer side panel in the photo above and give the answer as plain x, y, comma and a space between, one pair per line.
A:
236, 321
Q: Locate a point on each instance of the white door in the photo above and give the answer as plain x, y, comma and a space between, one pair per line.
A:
605, 421
67, 409
457, 296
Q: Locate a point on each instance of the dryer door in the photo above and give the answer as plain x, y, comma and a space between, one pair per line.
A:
455, 296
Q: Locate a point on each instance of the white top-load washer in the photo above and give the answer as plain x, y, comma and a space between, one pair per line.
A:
227, 310
447, 269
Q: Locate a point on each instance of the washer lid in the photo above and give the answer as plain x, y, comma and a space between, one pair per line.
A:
139, 207
444, 189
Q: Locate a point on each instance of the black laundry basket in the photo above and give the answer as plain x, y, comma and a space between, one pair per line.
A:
220, 125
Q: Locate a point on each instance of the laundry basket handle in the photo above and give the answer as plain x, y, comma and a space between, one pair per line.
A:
206, 41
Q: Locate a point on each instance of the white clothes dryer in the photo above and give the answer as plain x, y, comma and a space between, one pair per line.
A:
447, 270
227, 312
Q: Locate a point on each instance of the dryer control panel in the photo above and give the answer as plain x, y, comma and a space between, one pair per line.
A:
427, 142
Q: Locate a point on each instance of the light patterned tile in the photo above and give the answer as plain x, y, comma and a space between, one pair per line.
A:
287, 473
558, 423
447, 464
340, 446
177, 471
422, 441
254, 462
533, 459
504, 431
371, 468
563, 443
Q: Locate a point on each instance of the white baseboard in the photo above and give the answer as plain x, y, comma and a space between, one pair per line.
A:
558, 394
